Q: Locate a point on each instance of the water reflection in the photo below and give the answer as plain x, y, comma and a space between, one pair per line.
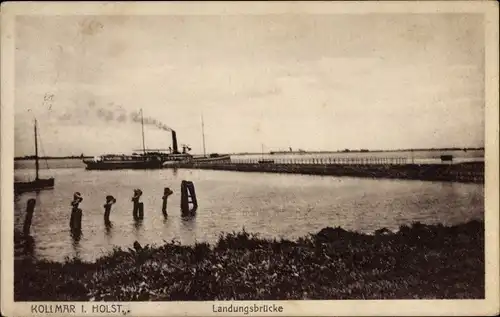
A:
76, 236
188, 221
188, 229
138, 229
169, 227
29, 245
108, 231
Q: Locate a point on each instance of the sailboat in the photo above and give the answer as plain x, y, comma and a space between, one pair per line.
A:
212, 158
38, 183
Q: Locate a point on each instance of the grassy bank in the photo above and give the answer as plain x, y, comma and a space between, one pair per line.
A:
418, 261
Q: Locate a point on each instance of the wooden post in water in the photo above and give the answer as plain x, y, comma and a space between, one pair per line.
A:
141, 210
75, 222
187, 191
136, 213
30, 209
110, 200
166, 193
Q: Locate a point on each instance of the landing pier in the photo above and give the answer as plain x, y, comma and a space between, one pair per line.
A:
389, 168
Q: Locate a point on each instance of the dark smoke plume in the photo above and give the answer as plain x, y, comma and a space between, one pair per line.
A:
111, 112
122, 117
136, 117
107, 115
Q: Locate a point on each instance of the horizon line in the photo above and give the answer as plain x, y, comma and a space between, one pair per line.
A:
285, 152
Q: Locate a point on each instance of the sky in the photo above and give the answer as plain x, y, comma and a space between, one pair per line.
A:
306, 81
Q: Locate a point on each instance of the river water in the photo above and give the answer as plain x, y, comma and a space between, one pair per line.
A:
273, 205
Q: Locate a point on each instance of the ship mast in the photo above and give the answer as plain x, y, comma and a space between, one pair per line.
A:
36, 153
142, 125
203, 134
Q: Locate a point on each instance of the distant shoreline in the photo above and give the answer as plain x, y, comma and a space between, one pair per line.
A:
26, 158
31, 157
368, 151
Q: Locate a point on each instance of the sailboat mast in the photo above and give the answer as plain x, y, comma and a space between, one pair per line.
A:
36, 152
142, 125
203, 134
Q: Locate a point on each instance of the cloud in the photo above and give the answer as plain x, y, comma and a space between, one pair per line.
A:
310, 81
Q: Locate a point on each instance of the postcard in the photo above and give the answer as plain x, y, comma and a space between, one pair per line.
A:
249, 159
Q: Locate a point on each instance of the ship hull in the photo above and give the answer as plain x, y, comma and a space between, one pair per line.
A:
38, 184
216, 159
199, 161
100, 165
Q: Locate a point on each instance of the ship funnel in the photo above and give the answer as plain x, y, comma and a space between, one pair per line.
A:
175, 150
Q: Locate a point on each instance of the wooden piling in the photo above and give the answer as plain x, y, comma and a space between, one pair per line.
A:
141, 210
187, 192
30, 209
136, 204
166, 193
110, 200
75, 222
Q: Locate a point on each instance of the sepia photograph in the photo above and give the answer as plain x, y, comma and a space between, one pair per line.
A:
240, 157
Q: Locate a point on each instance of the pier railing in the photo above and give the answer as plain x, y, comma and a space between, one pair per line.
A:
324, 160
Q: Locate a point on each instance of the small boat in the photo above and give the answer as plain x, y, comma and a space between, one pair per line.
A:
213, 158
38, 183
185, 158
210, 159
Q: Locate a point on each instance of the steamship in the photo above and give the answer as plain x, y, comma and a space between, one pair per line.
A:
145, 160
152, 159
149, 159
